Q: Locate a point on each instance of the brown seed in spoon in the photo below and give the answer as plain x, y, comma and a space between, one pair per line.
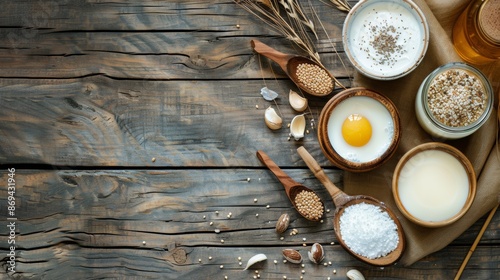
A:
309, 205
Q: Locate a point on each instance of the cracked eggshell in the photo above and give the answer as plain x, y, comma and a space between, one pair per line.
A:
298, 127
297, 102
273, 121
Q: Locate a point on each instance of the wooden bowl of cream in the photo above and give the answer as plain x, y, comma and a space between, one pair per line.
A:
434, 184
359, 129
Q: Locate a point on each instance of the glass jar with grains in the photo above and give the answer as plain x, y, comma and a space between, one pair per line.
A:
454, 101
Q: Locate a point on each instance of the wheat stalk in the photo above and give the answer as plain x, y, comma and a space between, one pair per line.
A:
342, 5
269, 12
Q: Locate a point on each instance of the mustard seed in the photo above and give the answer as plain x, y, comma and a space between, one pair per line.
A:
314, 78
309, 205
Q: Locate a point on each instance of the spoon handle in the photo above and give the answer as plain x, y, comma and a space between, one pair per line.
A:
274, 55
285, 180
318, 172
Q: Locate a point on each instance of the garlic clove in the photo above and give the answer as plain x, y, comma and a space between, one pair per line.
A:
297, 102
273, 121
255, 259
298, 126
354, 274
316, 254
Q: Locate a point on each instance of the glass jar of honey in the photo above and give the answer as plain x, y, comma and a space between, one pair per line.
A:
476, 34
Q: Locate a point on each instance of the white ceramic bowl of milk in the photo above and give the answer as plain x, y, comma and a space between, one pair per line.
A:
385, 39
434, 184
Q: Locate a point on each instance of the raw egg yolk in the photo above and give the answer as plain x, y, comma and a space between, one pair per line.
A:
356, 130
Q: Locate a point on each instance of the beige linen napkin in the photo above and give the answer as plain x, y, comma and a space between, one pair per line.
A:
481, 147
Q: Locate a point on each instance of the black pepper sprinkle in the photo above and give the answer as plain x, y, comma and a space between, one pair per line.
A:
384, 40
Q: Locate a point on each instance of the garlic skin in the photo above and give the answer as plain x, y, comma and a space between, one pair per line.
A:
255, 259
354, 274
316, 254
273, 121
298, 127
297, 102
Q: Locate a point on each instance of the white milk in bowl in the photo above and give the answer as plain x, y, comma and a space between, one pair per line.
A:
433, 186
385, 39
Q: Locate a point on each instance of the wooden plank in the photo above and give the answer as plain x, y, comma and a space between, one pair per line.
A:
147, 40
98, 121
91, 223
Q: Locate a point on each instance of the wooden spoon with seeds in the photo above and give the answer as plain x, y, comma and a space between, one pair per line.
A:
292, 188
342, 201
289, 64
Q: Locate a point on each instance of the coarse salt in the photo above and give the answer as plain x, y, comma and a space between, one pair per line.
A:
368, 230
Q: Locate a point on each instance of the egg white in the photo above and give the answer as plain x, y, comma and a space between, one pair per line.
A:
379, 118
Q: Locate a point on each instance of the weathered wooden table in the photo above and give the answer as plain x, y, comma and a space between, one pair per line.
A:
132, 127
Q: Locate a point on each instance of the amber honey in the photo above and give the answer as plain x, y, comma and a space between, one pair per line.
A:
476, 34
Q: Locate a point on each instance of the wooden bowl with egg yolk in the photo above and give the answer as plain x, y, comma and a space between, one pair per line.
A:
366, 141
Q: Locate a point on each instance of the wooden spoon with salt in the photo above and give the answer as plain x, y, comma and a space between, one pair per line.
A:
289, 64
292, 188
342, 201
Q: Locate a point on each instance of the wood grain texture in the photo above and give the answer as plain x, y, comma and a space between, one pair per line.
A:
156, 224
91, 91
147, 40
100, 121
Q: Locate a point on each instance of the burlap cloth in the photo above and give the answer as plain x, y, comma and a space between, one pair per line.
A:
481, 147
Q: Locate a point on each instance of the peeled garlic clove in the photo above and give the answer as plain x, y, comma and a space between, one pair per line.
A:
297, 102
316, 254
354, 274
273, 121
298, 126
255, 259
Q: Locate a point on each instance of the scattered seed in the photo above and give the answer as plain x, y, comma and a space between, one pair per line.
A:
275, 262
209, 257
237, 26
255, 200
303, 271
222, 241
216, 212
327, 210
211, 223
281, 238
303, 265
256, 106
248, 179
153, 159
143, 242
256, 215
304, 239
221, 266
217, 230
239, 258
199, 260
240, 263
334, 271
284, 261
268, 206
204, 217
